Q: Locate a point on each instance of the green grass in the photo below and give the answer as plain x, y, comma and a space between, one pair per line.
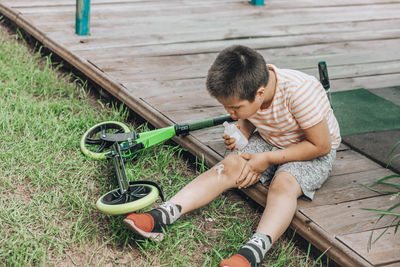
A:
48, 188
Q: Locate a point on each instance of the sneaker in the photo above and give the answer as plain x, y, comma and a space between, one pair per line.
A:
143, 224
236, 260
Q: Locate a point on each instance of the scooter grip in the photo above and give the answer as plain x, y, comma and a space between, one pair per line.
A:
323, 75
183, 129
221, 119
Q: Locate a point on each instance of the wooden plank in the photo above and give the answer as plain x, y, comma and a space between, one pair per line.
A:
213, 138
124, 22
177, 71
165, 12
60, 21
386, 251
214, 46
46, 3
351, 162
349, 83
368, 82
347, 187
189, 66
346, 53
271, 3
346, 218
185, 102
198, 113
337, 251
196, 30
130, 42
302, 56
151, 88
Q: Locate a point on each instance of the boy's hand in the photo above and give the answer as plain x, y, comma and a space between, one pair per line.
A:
230, 143
256, 164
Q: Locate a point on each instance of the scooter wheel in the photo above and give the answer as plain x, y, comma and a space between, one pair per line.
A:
91, 143
137, 197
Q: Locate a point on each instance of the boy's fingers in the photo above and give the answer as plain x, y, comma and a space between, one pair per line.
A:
230, 146
252, 178
256, 178
225, 136
244, 174
245, 156
248, 181
229, 141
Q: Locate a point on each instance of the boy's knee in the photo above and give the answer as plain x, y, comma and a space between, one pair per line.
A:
231, 167
284, 182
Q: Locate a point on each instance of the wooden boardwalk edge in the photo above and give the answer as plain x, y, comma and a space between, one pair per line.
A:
309, 230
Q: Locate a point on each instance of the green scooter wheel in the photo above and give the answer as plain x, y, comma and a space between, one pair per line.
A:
137, 197
91, 143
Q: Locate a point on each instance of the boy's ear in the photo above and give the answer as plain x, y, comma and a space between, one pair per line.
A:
260, 91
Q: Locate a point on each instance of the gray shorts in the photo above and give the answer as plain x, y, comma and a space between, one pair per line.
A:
309, 174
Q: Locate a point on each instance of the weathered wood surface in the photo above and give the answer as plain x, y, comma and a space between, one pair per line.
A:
387, 247
154, 56
349, 217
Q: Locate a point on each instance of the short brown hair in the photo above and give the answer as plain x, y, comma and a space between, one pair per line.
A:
238, 71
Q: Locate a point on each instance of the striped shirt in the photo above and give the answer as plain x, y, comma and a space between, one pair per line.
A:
299, 103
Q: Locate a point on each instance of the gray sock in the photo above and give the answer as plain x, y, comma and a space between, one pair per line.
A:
254, 250
170, 212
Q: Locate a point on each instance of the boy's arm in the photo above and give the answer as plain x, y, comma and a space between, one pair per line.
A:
246, 127
317, 143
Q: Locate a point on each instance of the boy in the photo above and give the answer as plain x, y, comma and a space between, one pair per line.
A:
294, 145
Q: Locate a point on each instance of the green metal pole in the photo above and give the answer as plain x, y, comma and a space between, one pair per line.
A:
82, 21
257, 2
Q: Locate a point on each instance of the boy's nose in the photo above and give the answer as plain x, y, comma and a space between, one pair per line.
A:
230, 111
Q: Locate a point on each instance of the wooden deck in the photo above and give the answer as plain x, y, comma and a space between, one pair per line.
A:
154, 55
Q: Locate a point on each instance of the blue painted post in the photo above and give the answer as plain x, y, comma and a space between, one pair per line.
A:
82, 21
257, 2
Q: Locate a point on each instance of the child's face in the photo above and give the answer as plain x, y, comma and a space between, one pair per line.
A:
239, 108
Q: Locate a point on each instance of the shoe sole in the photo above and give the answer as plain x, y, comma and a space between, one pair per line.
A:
153, 236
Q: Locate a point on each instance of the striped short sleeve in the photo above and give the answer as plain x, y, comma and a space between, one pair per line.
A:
300, 102
308, 103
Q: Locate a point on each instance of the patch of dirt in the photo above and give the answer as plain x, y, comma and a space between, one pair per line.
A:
23, 192
101, 255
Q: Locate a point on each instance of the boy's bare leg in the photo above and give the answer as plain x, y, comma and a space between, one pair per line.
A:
196, 194
281, 205
209, 185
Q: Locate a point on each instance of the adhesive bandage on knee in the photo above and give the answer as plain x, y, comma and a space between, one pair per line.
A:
219, 168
